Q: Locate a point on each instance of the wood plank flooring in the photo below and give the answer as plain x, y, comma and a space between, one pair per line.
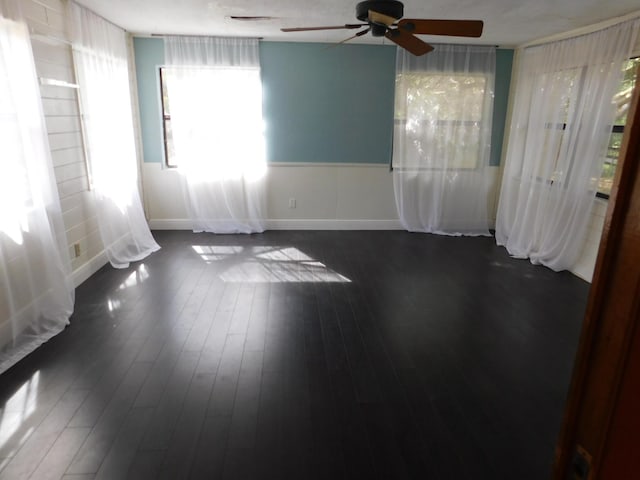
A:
301, 355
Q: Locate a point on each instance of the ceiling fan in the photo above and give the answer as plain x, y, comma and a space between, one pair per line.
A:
382, 19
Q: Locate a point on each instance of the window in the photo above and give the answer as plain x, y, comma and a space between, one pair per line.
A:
564, 87
192, 121
572, 79
622, 100
440, 113
167, 132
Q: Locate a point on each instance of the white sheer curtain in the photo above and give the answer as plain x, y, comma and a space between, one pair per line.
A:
215, 98
562, 119
100, 57
441, 143
36, 295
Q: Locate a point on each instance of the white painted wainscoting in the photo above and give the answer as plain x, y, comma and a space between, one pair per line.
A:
300, 196
586, 263
327, 196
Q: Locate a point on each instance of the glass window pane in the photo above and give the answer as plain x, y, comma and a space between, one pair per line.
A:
609, 169
622, 100
170, 152
440, 113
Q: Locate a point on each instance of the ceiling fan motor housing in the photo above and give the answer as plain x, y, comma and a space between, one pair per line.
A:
391, 8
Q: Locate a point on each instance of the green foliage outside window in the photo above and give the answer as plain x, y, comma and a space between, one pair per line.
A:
441, 113
622, 100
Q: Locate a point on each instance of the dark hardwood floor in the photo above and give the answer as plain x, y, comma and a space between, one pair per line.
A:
301, 355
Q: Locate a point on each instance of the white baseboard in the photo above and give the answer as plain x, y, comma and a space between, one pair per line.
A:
332, 224
293, 224
82, 273
581, 274
170, 224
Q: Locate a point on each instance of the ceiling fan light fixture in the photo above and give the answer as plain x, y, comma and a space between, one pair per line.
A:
378, 30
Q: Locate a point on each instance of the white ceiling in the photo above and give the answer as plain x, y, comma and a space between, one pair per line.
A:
507, 23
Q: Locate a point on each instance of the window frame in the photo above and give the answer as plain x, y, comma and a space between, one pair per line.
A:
617, 128
563, 126
168, 163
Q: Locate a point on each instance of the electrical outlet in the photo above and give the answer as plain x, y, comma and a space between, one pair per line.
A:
292, 203
76, 249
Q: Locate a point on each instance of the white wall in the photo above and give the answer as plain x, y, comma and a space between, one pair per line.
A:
586, 263
46, 21
327, 197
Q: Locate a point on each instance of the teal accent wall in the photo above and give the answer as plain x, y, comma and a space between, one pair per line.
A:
504, 64
328, 105
149, 53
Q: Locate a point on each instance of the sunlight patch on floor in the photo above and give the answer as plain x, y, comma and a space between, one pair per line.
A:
17, 410
136, 278
262, 264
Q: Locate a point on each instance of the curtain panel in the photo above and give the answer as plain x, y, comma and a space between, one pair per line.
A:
442, 133
36, 293
101, 61
214, 92
561, 123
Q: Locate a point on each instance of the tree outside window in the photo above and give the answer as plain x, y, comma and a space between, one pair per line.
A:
622, 100
441, 113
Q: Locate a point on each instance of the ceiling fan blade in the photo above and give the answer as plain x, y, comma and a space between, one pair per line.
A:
453, 28
381, 18
349, 26
362, 32
408, 41
359, 34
